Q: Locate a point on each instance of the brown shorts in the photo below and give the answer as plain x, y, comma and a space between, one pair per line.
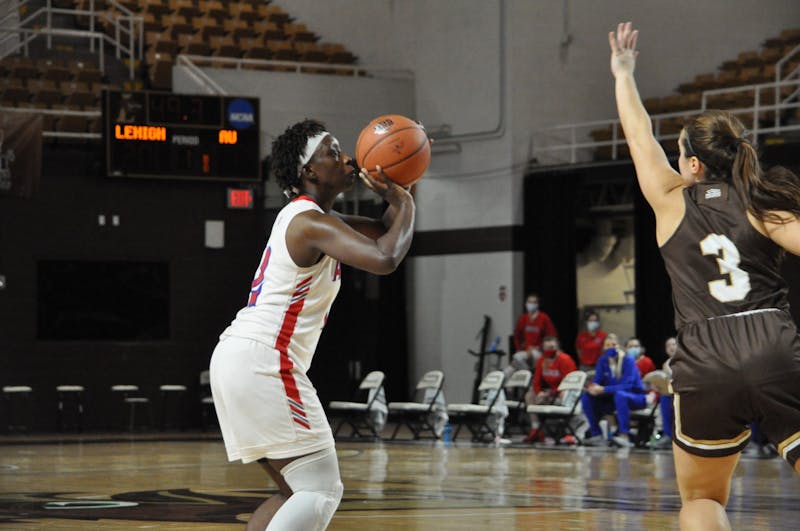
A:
734, 370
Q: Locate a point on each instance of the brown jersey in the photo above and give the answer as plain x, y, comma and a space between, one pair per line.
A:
717, 262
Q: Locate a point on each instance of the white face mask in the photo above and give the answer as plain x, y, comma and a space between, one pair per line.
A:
531, 306
592, 325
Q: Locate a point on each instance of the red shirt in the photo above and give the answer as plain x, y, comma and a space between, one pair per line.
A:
589, 347
550, 371
645, 365
530, 331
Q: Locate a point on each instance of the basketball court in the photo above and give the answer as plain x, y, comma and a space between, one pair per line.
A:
117, 483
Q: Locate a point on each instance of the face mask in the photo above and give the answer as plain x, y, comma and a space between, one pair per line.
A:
592, 325
635, 351
611, 351
531, 306
549, 353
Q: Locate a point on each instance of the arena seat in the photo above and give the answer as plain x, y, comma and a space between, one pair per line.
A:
131, 399
45, 91
358, 415
476, 417
17, 401
206, 400
643, 420
70, 400
417, 415
225, 47
516, 386
555, 419
172, 396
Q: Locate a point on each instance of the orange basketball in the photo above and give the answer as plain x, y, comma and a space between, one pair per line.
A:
398, 145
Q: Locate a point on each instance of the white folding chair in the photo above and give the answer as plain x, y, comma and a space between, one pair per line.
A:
358, 415
206, 399
555, 418
477, 416
516, 387
418, 415
131, 402
643, 421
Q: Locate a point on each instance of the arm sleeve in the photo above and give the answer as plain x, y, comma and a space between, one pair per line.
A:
630, 379
598, 371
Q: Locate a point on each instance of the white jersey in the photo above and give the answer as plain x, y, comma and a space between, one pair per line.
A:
288, 305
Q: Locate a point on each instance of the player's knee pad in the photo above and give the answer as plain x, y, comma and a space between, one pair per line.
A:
315, 479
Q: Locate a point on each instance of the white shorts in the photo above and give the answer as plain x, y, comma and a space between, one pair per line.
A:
257, 405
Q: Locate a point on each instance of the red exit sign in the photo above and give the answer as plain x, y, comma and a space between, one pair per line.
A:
240, 198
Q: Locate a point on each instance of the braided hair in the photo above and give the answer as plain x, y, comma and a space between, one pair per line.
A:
287, 150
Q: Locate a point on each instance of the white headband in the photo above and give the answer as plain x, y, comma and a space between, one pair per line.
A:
311, 146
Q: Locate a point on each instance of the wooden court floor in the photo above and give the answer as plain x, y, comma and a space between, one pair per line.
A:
188, 484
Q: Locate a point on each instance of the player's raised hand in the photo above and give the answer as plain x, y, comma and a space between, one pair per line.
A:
623, 48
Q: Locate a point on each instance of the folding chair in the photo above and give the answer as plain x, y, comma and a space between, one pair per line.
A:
358, 415
644, 420
417, 415
477, 416
516, 387
208, 413
555, 419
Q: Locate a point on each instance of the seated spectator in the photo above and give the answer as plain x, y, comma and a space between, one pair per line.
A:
616, 386
589, 343
633, 347
665, 401
532, 327
551, 368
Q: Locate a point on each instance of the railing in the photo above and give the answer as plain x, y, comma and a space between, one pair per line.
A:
59, 134
125, 28
201, 77
547, 144
30, 34
778, 70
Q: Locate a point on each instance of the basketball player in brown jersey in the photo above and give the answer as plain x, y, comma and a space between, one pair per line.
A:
723, 226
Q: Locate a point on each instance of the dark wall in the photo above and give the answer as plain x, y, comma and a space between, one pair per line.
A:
160, 221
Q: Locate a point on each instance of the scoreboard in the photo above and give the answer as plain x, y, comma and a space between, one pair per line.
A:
179, 136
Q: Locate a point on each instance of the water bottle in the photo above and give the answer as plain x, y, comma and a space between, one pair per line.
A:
447, 435
495, 344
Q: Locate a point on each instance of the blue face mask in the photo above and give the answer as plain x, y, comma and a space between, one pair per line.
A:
611, 351
635, 351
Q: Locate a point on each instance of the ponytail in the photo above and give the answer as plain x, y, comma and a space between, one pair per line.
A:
764, 193
718, 140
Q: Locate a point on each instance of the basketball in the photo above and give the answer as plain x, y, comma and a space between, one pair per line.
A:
398, 145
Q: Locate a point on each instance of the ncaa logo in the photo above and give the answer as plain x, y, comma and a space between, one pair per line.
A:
241, 114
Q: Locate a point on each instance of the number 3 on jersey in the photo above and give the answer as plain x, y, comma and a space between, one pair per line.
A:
728, 259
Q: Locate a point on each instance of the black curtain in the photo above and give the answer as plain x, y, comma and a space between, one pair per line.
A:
654, 311
548, 241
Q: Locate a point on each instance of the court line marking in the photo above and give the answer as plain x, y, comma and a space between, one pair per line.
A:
450, 515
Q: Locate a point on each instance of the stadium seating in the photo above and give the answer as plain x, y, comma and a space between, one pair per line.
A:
748, 68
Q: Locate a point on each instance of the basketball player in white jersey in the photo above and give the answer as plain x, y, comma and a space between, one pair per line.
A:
268, 409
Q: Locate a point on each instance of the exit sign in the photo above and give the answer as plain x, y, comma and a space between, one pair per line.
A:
240, 198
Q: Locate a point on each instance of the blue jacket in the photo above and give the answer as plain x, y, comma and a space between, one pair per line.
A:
629, 379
